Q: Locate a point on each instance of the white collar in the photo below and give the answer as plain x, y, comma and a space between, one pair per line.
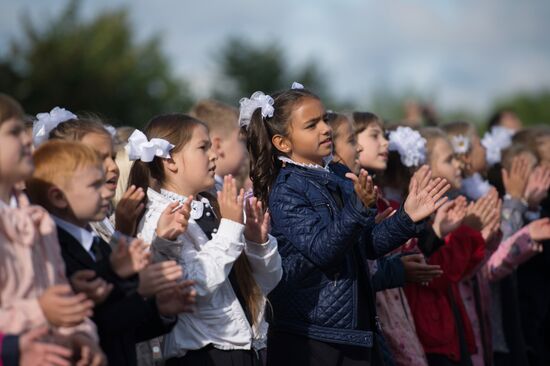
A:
197, 206
83, 236
475, 187
12, 204
325, 168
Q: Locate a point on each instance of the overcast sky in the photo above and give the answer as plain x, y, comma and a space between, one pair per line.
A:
466, 53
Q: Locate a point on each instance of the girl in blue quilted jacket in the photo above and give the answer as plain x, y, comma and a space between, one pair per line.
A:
322, 310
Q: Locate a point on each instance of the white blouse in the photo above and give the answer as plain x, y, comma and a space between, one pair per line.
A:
219, 318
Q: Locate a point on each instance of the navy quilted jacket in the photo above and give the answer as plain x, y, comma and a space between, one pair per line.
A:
317, 294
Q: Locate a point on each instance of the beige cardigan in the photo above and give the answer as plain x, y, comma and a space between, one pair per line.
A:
30, 261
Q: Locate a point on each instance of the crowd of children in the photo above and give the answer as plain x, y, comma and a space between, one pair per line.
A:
278, 233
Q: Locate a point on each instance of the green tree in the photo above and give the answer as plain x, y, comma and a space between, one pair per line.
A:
93, 66
245, 68
533, 108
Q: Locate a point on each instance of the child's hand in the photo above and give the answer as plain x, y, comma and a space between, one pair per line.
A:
257, 222
128, 209
515, 181
491, 223
62, 308
388, 212
95, 288
364, 187
34, 351
425, 194
417, 270
178, 299
87, 351
539, 230
158, 277
537, 187
231, 204
127, 260
449, 216
482, 211
173, 221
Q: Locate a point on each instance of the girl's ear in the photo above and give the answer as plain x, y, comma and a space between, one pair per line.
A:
170, 165
57, 198
282, 144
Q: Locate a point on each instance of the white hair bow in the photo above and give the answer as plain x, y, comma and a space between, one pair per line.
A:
46, 122
494, 141
296, 85
139, 148
248, 106
410, 145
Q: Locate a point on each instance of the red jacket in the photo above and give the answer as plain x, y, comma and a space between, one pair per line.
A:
430, 305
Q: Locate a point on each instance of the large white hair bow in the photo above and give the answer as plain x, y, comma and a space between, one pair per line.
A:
494, 141
139, 148
46, 122
410, 145
249, 105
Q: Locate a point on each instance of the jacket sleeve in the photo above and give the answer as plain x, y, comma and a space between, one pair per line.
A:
512, 216
514, 251
265, 263
391, 233
390, 273
464, 249
9, 350
209, 267
324, 242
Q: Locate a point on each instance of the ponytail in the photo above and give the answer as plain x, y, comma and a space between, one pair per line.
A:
264, 165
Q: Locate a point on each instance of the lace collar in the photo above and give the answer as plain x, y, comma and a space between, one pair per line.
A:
325, 168
197, 206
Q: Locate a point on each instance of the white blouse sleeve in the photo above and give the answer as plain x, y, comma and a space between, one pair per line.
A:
265, 262
209, 267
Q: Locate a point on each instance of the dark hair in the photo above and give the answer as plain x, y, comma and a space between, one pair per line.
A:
10, 108
264, 165
362, 120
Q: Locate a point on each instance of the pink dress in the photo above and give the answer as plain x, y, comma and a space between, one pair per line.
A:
30, 262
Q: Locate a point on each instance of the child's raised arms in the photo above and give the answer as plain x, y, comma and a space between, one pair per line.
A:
537, 186
231, 203
95, 288
129, 259
174, 219
425, 194
128, 210
450, 216
257, 222
364, 187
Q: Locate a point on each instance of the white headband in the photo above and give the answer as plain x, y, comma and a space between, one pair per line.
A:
248, 106
410, 145
46, 122
139, 148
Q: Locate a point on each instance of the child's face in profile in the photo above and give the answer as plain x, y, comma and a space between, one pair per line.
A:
15, 151
476, 158
346, 148
103, 144
310, 138
231, 153
85, 195
444, 164
195, 163
374, 154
